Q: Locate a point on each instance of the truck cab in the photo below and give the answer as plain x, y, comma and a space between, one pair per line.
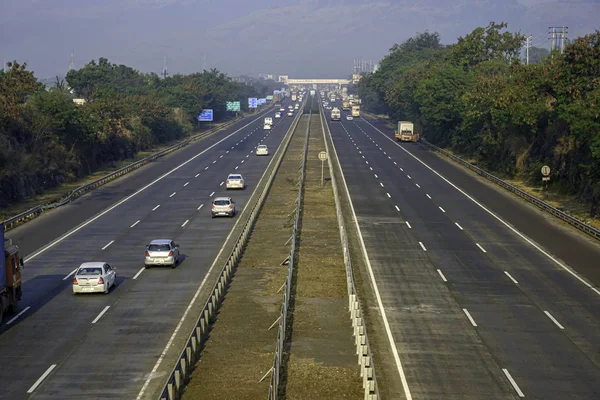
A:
405, 132
10, 275
268, 121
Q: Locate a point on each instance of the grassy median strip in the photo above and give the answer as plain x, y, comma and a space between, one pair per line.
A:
322, 363
240, 348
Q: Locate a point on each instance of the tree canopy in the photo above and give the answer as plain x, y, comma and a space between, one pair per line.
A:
478, 98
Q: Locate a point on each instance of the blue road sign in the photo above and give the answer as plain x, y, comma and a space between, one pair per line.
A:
262, 101
252, 102
206, 115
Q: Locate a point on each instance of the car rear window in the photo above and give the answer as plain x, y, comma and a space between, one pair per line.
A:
235, 177
221, 202
90, 271
159, 247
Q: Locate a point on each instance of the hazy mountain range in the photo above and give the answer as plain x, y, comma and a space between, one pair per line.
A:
302, 38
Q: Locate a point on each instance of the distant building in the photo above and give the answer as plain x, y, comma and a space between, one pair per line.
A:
356, 78
283, 78
79, 102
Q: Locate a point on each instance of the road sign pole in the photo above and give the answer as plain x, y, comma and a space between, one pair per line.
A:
322, 172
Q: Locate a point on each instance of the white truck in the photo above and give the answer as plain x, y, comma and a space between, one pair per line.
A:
406, 133
335, 114
268, 121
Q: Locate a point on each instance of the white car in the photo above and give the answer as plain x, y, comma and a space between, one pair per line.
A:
282, 109
94, 277
277, 115
235, 181
223, 206
162, 252
290, 114
262, 150
267, 127
349, 118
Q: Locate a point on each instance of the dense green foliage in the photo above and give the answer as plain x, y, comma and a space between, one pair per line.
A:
478, 98
46, 138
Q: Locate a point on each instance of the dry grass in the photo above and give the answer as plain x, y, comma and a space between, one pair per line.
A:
322, 364
240, 349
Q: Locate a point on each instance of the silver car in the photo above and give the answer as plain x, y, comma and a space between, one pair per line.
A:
235, 181
223, 206
162, 252
94, 277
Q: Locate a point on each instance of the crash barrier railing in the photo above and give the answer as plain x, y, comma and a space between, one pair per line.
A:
181, 373
34, 212
363, 349
590, 230
276, 369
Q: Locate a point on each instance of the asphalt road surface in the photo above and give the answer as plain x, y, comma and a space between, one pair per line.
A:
104, 346
476, 309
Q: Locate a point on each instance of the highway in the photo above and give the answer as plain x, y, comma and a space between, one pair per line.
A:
474, 308
106, 346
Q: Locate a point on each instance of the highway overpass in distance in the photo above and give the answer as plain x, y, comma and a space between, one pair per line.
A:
317, 81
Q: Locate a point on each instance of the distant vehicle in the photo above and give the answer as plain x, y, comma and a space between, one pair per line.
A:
356, 111
294, 96
290, 107
277, 115
223, 206
349, 117
297, 106
162, 252
235, 181
267, 127
282, 109
94, 277
268, 121
290, 114
262, 150
405, 132
11, 290
335, 114
346, 105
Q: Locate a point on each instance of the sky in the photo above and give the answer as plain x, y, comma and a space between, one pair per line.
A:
300, 38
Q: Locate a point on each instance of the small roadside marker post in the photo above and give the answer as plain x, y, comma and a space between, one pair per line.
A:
322, 157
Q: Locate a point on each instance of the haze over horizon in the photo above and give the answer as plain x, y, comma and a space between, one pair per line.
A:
300, 38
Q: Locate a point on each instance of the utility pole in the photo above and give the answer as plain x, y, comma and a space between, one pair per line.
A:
562, 34
165, 71
527, 46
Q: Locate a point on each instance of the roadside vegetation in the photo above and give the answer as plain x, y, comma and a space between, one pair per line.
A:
46, 139
478, 98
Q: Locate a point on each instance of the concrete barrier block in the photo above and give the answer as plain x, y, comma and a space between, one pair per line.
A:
183, 367
170, 391
177, 380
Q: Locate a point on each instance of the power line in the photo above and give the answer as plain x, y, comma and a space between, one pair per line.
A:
558, 36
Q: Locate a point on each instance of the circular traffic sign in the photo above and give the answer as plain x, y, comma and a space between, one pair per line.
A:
545, 170
323, 156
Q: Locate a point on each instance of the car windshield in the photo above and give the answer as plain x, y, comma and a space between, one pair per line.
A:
89, 271
159, 247
235, 177
221, 202
262, 146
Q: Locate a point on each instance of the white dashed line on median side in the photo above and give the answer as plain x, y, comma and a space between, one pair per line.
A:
221, 183
554, 320
428, 196
481, 248
108, 244
214, 162
389, 195
381, 184
408, 176
221, 156
513, 383
459, 227
139, 273
376, 176
511, 278
185, 223
156, 208
469, 317
442, 209
237, 167
442, 275
172, 194
408, 224
41, 379
211, 195
13, 319
205, 168
187, 183
417, 185
197, 175
422, 246
101, 314
397, 208
135, 223
200, 206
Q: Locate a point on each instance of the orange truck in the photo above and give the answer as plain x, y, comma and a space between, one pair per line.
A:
406, 132
10, 275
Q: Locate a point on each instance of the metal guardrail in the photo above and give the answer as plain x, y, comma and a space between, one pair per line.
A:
590, 230
34, 212
180, 374
281, 335
363, 349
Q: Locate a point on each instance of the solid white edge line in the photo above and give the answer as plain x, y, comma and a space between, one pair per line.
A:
442, 275
108, 244
522, 236
513, 383
41, 379
101, 314
408, 224
135, 223
553, 319
189, 307
422, 246
469, 317
185, 223
386, 323
68, 276
459, 227
139, 273
66, 235
13, 319
480, 248
511, 278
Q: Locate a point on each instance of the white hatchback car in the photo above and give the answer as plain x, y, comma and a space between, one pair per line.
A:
290, 114
267, 127
349, 118
94, 277
235, 181
223, 206
162, 252
277, 115
262, 150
